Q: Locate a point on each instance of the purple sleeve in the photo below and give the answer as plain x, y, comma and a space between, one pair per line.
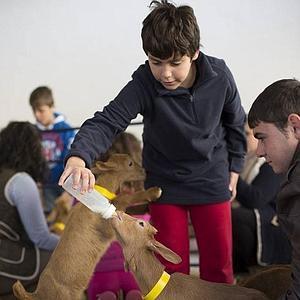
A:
22, 192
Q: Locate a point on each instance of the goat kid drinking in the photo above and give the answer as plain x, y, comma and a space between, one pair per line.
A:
137, 239
87, 236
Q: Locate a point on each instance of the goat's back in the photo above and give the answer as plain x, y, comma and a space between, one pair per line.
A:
183, 286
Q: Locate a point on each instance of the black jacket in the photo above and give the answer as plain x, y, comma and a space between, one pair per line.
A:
192, 137
273, 246
288, 208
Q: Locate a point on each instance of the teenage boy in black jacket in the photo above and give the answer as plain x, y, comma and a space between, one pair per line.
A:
275, 119
257, 236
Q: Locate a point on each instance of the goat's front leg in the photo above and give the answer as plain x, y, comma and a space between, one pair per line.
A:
148, 195
141, 197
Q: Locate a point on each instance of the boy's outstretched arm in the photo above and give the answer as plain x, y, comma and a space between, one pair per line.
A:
75, 166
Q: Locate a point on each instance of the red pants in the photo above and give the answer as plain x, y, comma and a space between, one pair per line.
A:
212, 227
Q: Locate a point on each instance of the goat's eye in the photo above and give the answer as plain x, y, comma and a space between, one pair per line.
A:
130, 163
141, 223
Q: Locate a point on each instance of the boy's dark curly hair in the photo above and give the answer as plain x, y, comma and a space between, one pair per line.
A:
169, 30
21, 150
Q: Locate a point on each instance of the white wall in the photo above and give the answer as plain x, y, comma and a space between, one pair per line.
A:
86, 50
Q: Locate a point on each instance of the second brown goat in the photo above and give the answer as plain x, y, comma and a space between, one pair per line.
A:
139, 247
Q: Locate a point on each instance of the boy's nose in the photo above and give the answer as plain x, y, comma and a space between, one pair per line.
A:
166, 72
259, 150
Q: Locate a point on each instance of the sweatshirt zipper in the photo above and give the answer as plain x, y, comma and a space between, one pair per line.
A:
193, 107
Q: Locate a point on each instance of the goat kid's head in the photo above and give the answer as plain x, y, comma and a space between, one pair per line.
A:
138, 235
122, 165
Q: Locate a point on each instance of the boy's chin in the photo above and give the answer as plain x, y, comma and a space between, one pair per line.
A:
46, 124
277, 169
171, 87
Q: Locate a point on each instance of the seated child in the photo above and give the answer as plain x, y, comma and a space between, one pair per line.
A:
25, 241
57, 136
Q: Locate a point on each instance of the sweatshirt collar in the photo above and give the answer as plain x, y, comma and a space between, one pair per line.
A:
296, 157
204, 68
295, 160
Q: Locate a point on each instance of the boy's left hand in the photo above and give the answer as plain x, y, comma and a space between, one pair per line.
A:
232, 184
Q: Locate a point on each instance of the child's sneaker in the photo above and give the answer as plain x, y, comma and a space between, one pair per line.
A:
108, 295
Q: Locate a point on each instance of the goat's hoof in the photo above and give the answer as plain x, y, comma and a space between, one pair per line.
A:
154, 193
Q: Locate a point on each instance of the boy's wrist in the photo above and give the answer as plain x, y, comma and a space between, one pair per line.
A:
75, 161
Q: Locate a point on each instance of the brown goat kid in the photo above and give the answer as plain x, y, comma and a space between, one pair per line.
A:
87, 236
137, 239
60, 213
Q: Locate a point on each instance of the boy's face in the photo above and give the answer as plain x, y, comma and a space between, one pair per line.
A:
275, 146
44, 114
174, 71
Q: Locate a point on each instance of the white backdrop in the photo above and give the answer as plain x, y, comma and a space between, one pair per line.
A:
86, 50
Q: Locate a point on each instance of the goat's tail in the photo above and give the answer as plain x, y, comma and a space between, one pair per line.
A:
20, 293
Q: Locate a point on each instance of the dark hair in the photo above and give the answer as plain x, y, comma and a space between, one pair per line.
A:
41, 96
276, 103
169, 30
21, 149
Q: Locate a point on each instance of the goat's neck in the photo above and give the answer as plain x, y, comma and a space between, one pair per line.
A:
109, 181
146, 268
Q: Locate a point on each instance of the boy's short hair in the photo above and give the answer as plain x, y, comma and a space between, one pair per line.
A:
276, 103
169, 30
41, 96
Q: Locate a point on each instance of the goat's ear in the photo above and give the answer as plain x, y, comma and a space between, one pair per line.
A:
105, 166
95, 170
98, 167
165, 252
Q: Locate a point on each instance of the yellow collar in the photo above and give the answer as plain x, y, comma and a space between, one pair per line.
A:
106, 193
59, 225
159, 287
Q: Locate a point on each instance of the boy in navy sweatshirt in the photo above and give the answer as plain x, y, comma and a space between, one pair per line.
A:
193, 138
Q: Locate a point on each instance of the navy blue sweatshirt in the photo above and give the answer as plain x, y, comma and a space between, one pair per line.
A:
192, 138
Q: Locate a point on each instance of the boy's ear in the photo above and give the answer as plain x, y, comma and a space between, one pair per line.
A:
196, 55
294, 121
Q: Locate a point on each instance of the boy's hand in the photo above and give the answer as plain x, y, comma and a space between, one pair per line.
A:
76, 166
232, 184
